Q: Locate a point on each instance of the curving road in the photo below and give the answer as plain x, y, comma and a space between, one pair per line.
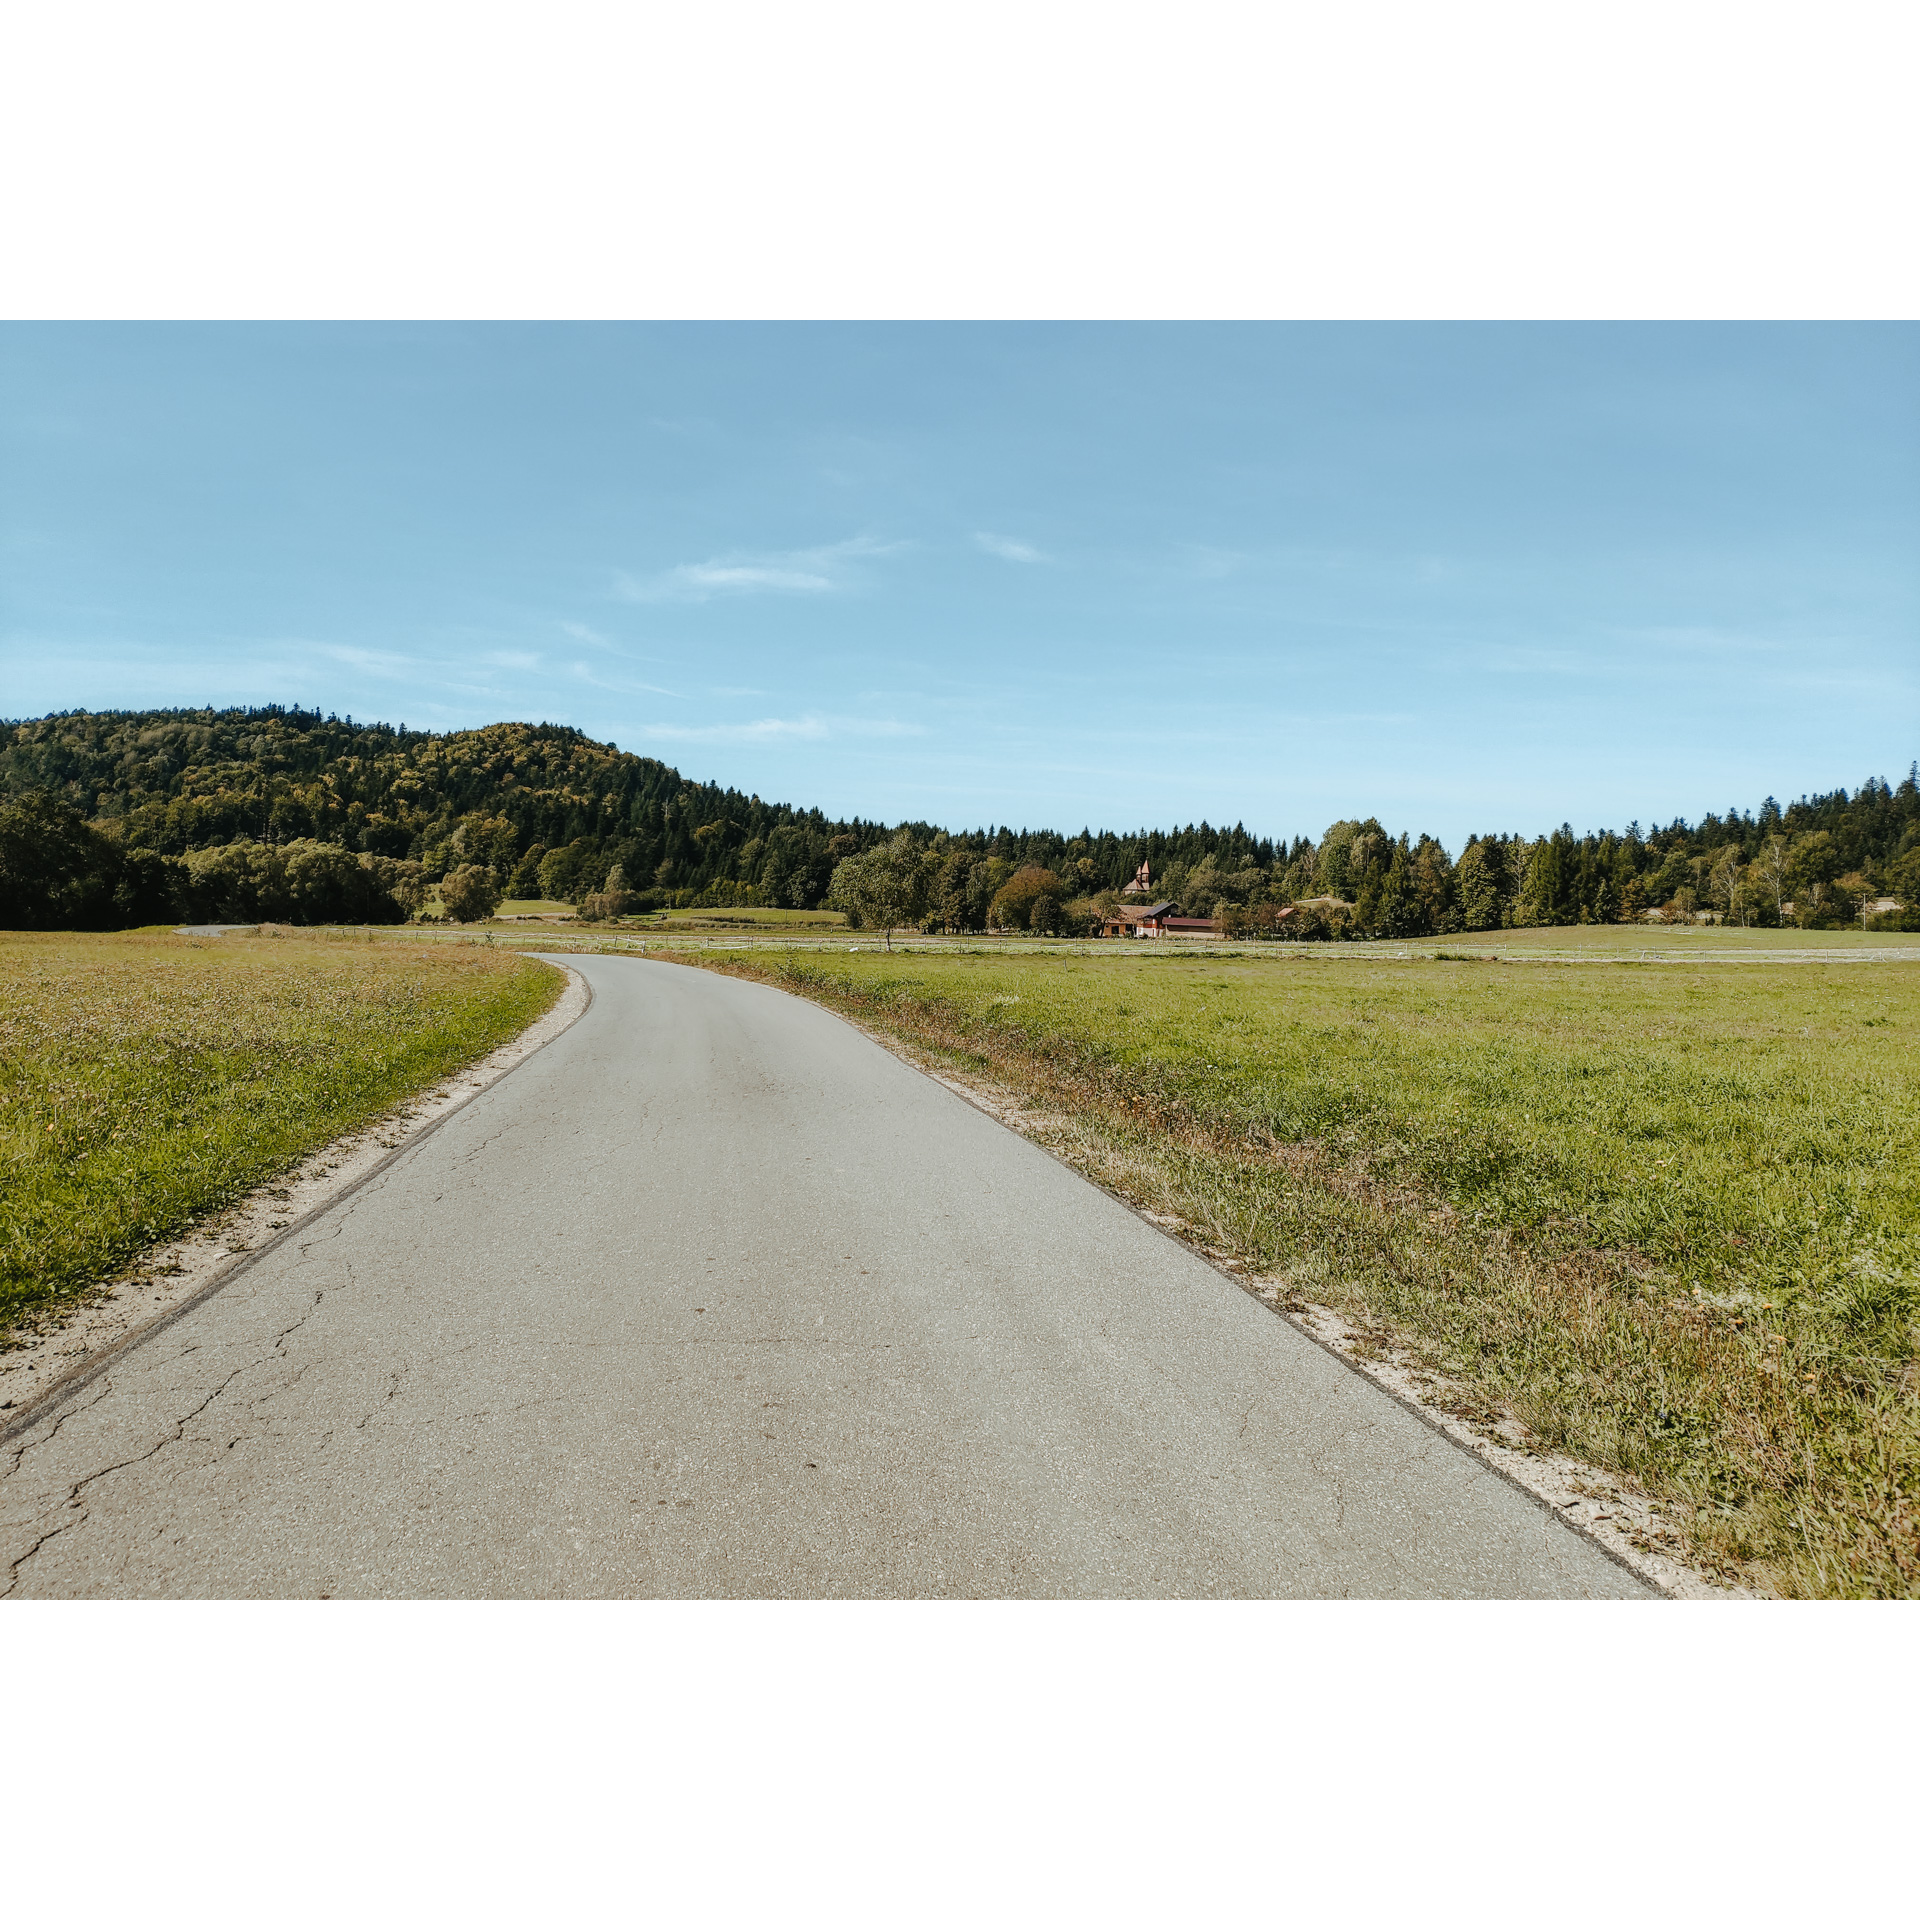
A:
715, 1297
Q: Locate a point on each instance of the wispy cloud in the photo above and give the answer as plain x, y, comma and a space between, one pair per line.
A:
384, 666
456, 673
446, 675
798, 570
1004, 548
810, 726
585, 674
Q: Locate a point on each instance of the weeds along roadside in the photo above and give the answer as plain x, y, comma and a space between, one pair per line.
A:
1780, 1434
147, 1080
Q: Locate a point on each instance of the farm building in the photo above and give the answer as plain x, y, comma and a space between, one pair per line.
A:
1131, 922
1161, 921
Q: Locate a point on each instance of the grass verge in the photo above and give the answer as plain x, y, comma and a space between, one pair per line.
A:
147, 1079
1668, 1219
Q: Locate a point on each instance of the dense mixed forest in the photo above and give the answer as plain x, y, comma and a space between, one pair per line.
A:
119, 819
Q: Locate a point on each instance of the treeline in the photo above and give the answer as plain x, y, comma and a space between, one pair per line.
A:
123, 819
1833, 860
59, 873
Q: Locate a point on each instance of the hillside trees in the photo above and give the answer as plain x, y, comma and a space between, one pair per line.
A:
405, 881
524, 882
306, 882
791, 868
1022, 896
1347, 849
547, 810
959, 896
470, 893
58, 873
488, 840
1206, 887
1388, 907
572, 872
175, 782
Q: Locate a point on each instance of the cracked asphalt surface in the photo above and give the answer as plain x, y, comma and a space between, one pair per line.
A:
714, 1297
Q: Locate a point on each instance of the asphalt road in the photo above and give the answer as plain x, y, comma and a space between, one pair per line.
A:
715, 1297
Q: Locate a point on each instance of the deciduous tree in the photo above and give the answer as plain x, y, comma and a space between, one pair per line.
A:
1013, 905
470, 893
883, 888
1723, 881
1773, 865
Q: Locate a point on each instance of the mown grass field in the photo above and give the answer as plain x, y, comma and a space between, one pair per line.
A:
768, 919
1696, 943
148, 1078
1669, 1217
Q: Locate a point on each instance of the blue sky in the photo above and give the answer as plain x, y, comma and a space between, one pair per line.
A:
1466, 577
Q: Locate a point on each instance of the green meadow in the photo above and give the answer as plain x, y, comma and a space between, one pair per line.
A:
1671, 943
765, 919
147, 1078
1666, 1216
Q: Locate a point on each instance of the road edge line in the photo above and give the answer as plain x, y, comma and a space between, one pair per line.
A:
76, 1380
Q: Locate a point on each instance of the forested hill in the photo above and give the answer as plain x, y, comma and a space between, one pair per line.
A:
179, 781
112, 818
511, 796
